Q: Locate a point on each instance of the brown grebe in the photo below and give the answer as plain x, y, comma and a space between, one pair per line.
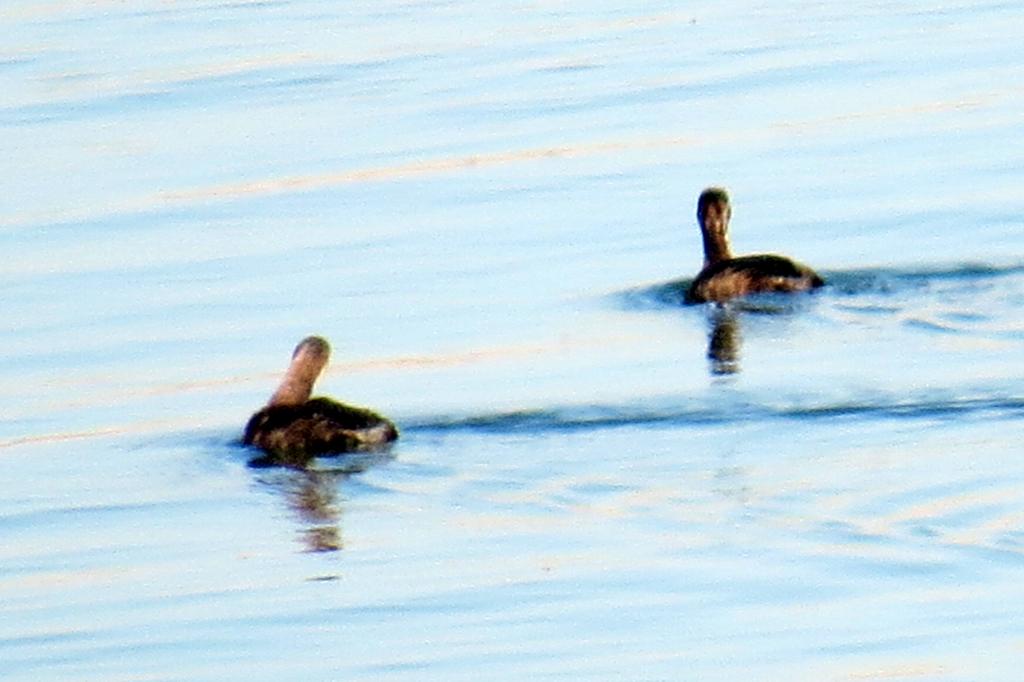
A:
293, 428
724, 277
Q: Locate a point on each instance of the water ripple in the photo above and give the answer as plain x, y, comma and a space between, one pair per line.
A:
853, 282
587, 417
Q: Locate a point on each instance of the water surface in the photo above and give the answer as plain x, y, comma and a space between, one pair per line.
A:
489, 212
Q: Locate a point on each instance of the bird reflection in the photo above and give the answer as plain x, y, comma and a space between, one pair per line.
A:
724, 341
315, 502
312, 496
725, 327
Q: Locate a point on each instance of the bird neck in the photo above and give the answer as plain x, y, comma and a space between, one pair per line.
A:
297, 384
716, 244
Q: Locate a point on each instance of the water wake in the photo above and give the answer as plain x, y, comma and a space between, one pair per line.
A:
838, 283
586, 417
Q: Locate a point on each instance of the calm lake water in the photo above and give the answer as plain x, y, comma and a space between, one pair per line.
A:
489, 211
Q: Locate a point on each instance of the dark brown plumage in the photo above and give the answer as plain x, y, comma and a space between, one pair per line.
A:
293, 428
724, 277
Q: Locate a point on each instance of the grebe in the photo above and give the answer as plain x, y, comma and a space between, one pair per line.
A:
724, 277
292, 428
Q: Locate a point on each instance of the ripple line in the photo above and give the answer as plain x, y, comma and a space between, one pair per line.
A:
597, 417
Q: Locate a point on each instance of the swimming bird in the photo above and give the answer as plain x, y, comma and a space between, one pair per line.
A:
723, 276
293, 428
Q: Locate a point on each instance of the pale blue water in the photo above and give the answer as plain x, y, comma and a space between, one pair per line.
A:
489, 211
